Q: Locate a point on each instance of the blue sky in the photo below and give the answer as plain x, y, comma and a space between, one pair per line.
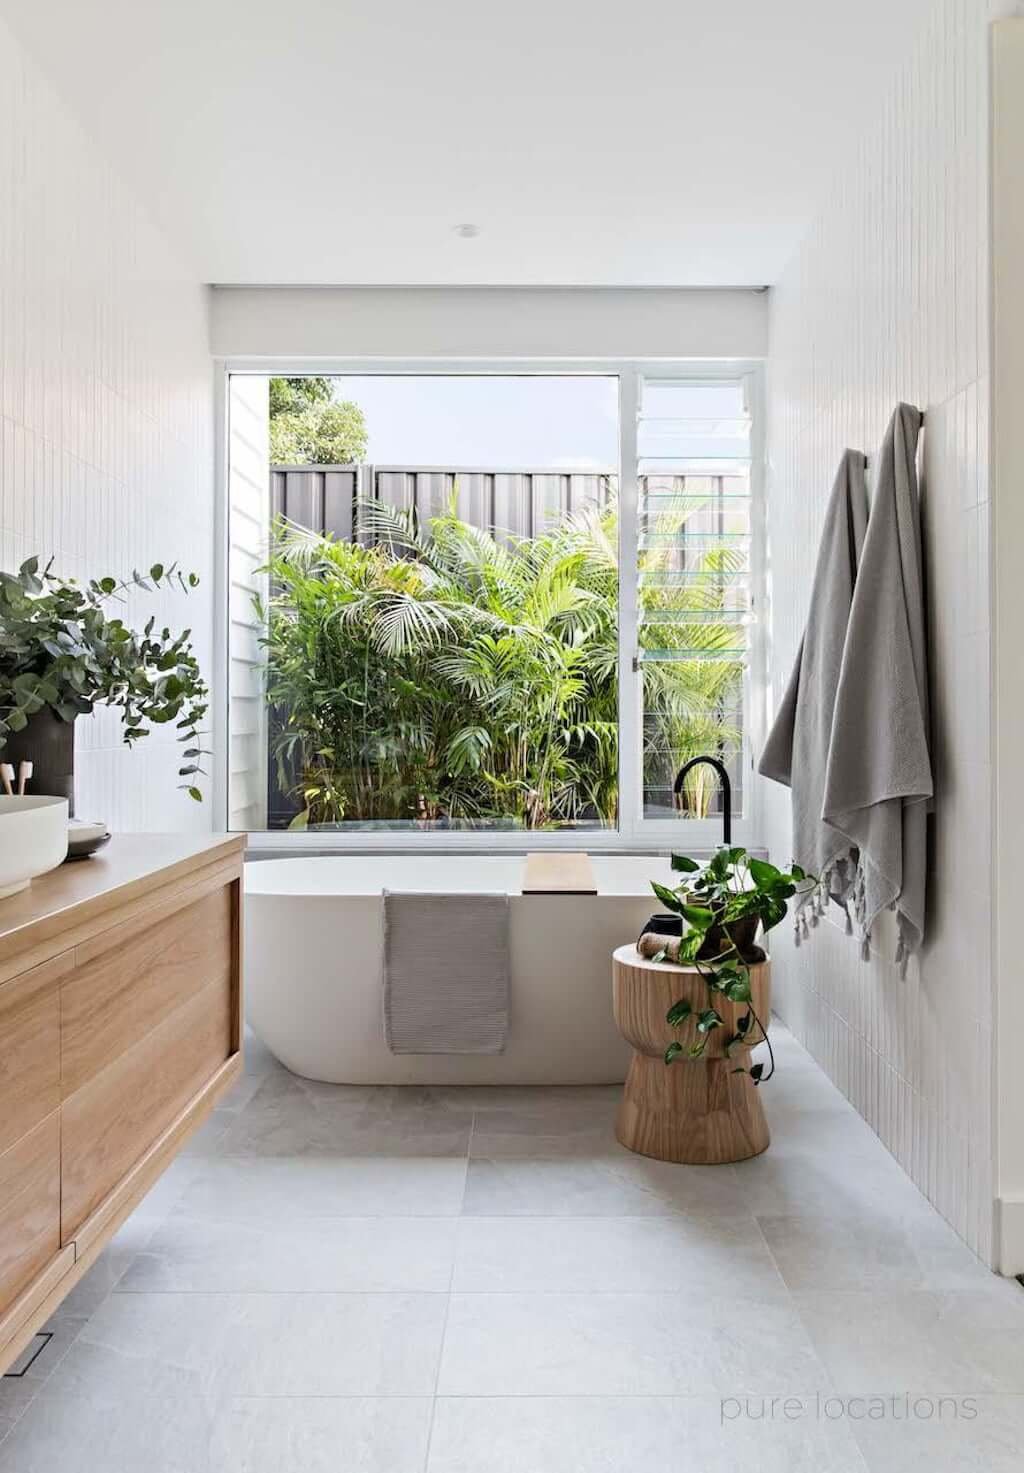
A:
488, 421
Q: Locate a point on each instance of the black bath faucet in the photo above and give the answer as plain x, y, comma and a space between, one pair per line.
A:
726, 789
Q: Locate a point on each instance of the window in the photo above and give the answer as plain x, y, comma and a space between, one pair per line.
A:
693, 588
482, 608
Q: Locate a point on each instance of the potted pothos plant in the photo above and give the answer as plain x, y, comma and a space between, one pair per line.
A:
63, 650
721, 907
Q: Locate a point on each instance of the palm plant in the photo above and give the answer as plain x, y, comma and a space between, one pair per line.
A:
438, 673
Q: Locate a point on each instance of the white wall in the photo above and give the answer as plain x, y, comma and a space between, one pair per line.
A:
486, 322
888, 300
1008, 620
248, 521
105, 410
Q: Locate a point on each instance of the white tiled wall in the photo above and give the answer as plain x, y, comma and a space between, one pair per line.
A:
105, 409
887, 300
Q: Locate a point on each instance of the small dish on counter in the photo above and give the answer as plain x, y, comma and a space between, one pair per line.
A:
84, 838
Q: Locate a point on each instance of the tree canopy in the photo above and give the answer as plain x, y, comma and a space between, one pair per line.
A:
308, 426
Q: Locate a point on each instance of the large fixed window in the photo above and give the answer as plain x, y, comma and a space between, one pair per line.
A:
493, 608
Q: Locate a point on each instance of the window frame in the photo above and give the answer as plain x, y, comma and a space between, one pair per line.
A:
634, 833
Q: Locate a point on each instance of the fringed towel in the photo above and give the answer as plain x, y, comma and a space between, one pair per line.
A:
446, 973
797, 750
879, 780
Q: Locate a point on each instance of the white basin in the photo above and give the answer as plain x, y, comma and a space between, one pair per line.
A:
33, 839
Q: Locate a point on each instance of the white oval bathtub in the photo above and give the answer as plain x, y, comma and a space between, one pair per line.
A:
313, 978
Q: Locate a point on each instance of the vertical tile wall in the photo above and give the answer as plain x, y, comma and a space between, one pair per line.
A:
888, 300
105, 409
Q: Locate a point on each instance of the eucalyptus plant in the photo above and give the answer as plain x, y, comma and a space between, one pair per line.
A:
722, 903
61, 649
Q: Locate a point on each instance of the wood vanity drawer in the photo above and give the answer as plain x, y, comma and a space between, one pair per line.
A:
114, 1118
30, 1048
135, 976
29, 1207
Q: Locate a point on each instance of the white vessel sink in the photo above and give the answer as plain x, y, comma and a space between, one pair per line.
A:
33, 839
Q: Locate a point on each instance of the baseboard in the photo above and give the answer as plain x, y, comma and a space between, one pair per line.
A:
1010, 1235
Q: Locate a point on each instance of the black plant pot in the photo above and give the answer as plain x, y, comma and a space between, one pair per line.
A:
742, 934
49, 744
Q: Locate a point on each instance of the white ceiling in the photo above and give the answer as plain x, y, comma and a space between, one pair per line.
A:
676, 142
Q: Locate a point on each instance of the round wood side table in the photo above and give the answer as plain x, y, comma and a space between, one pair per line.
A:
696, 1111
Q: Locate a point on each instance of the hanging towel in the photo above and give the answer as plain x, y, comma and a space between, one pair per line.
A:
879, 780
446, 973
796, 752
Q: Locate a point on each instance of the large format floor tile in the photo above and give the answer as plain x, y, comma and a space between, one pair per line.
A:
153, 1346
352, 1280
69, 1434
621, 1185
594, 1434
669, 1255
280, 1189
899, 1341
655, 1344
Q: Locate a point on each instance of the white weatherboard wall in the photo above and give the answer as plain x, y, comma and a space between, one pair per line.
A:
248, 520
888, 300
105, 397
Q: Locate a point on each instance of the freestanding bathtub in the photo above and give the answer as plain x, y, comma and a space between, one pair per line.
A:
313, 967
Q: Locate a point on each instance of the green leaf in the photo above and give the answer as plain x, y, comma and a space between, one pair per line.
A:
699, 917
678, 1013
668, 898
697, 1048
107, 585
195, 794
673, 1051
659, 956
737, 989
707, 1020
156, 572
684, 863
763, 874
755, 1073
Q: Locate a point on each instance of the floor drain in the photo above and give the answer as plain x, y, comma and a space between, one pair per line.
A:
28, 1357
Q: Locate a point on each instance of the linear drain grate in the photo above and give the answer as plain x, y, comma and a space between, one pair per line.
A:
28, 1357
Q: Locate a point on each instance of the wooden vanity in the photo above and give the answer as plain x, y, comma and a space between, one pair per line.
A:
120, 1028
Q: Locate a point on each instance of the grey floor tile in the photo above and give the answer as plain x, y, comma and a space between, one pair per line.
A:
593, 1434
240, 1435
865, 1251
961, 1342
280, 1189
673, 1255
625, 1344
616, 1186
218, 1345
73, 1434
968, 1434
363, 1254
296, 1117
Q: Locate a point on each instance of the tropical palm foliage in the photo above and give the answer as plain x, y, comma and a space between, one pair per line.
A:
441, 674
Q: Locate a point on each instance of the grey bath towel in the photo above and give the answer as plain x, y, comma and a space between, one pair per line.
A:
797, 750
446, 973
879, 780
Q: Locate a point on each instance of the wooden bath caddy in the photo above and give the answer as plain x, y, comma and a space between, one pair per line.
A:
696, 1111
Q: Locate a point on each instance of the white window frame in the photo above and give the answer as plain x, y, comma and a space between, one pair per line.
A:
634, 832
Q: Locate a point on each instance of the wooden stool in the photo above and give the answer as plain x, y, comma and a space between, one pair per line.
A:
693, 1110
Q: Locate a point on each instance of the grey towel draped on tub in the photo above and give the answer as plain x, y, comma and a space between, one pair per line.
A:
446, 973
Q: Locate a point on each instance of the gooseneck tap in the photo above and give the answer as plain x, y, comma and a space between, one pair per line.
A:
723, 775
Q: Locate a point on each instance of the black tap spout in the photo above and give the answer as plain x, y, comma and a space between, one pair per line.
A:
726, 789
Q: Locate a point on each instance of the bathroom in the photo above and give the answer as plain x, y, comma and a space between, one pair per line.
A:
330, 1134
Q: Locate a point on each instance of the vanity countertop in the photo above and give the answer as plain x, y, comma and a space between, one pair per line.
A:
126, 869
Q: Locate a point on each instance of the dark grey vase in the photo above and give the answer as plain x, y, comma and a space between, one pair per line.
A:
49, 744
